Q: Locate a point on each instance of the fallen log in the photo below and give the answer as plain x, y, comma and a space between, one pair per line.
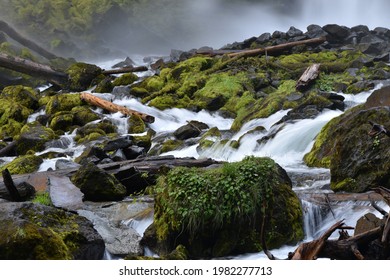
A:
125, 70
12, 33
277, 48
311, 73
111, 107
151, 165
32, 68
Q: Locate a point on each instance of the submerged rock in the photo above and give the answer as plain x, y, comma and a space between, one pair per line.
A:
38, 232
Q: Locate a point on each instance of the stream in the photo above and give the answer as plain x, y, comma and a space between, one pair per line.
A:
287, 144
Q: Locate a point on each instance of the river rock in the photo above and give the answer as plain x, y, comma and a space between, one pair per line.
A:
190, 130
33, 137
357, 161
64, 194
380, 97
97, 185
39, 232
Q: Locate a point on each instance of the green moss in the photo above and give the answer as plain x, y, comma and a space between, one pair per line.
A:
347, 185
42, 198
61, 121
23, 164
63, 102
33, 136
10, 129
136, 124
125, 79
11, 110
154, 83
171, 145
81, 76
83, 115
139, 92
24, 96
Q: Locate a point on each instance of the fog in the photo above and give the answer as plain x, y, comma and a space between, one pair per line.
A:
214, 23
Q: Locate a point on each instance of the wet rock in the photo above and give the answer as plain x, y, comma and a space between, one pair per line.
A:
39, 232
64, 194
263, 38
119, 143
294, 32
133, 152
190, 130
336, 33
23, 164
315, 31
81, 76
367, 223
98, 185
65, 164
380, 97
128, 62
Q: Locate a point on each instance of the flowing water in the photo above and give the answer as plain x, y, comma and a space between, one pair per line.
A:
286, 144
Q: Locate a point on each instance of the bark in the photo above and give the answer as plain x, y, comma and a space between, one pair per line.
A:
111, 107
311, 73
276, 49
12, 33
125, 70
34, 69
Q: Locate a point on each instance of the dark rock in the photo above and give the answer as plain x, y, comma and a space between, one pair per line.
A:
382, 32
128, 62
263, 38
336, 33
294, 32
315, 31
116, 144
65, 164
121, 91
366, 223
91, 154
360, 29
98, 185
190, 130
39, 232
278, 35
383, 57
376, 48
133, 152
380, 97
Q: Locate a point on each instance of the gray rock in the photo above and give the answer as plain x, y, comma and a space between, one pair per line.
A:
64, 194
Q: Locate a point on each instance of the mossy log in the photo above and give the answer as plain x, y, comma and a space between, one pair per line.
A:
111, 107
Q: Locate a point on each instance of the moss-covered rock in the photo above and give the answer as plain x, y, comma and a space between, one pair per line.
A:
357, 161
93, 131
10, 129
23, 164
21, 95
218, 212
136, 124
36, 232
12, 110
33, 136
125, 79
83, 115
63, 102
81, 76
97, 185
61, 121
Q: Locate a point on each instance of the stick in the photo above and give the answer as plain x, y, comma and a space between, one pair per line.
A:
125, 70
111, 107
9, 184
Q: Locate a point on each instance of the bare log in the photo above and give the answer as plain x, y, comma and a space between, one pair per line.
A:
125, 70
111, 107
311, 250
9, 184
4, 27
311, 73
34, 69
278, 48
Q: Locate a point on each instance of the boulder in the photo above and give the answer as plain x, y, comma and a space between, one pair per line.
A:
217, 212
23, 164
357, 161
190, 130
380, 97
37, 232
98, 185
33, 136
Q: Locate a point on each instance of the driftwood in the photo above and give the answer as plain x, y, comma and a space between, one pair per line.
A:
12, 33
111, 107
311, 73
9, 184
371, 244
267, 50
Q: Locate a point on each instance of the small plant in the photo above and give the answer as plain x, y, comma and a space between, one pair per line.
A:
43, 198
376, 142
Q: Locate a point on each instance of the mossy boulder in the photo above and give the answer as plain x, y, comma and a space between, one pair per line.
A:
83, 115
61, 121
94, 131
10, 129
23, 164
357, 161
63, 102
218, 212
125, 79
98, 185
37, 232
12, 110
136, 124
33, 136
25, 96
81, 76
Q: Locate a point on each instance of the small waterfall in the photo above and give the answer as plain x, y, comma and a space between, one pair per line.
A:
313, 216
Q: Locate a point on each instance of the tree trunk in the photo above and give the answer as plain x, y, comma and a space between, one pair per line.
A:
276, 49
111, 107
33, 69
4, 27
